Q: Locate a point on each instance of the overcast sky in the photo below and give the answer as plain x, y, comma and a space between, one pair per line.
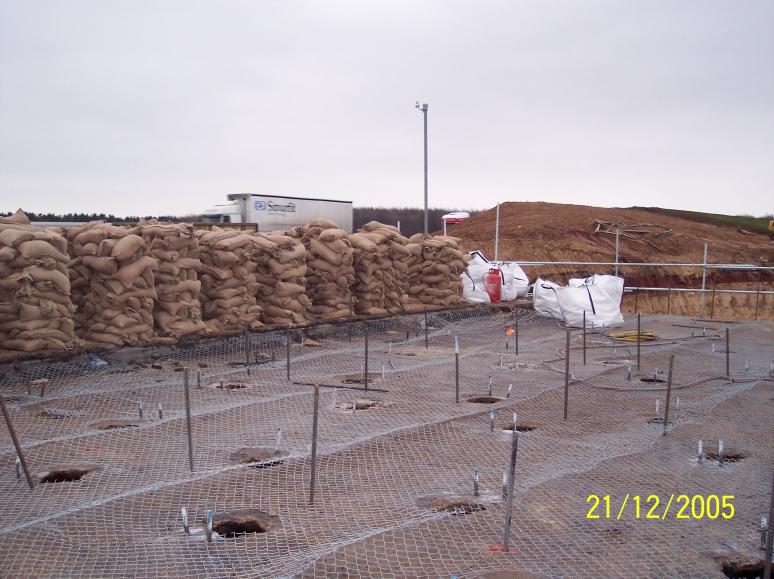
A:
164, 107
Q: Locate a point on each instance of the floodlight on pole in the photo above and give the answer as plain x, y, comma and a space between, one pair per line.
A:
423, 107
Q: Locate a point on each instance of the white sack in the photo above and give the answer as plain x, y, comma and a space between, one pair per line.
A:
599, 296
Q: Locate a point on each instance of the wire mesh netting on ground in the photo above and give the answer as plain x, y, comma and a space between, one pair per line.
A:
107, 446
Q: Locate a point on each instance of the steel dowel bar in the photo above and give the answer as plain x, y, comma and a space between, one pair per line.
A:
315, 413
516, 334
188, 425
566, 374
427, 342
728, 355
16, 443
584, 337
668, 392
511, 481
343, 386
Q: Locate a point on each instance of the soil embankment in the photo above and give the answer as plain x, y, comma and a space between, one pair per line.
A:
537, 231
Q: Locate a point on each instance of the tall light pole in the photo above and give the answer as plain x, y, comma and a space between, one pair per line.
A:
423, 107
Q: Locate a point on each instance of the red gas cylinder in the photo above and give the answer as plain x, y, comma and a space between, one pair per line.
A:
493, 283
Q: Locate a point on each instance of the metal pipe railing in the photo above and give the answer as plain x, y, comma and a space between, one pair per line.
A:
741, 266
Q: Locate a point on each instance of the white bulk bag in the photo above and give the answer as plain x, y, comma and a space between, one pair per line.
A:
474, 292
520, 283
599, 296
514, 282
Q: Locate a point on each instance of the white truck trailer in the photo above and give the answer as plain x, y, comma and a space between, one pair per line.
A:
279, 213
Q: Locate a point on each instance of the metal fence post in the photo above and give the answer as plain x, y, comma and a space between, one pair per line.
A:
770, 535
584, 337
703, 279
728, 355
516, 334
427, 343
16, 443
617, 245
457, 368
287, 353
639, 335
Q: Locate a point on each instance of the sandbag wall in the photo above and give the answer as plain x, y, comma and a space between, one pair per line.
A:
380, 260
228, 280
177, 311
113, 280
36, 312
281, 275
329, 274
434, 271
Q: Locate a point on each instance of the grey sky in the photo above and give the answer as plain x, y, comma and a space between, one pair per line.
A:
166, 106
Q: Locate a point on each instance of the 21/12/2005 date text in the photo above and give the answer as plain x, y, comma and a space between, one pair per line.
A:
660, 508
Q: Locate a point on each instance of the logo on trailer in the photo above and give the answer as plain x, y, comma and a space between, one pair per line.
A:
281, 207
260, 205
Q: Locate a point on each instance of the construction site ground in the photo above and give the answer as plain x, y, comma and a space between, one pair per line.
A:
389, 474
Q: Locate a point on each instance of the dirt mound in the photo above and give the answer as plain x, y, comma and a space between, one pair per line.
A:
537, 231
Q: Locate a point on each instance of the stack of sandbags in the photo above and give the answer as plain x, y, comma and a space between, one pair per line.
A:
228, 280
175, 247
329, 273
36, 312
381, 261
434, 271
281, 261
115, 285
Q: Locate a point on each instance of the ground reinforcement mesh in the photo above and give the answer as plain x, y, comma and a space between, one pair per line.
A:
380, 467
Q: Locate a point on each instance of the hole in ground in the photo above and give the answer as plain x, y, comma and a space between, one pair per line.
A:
521, 427
484, 399
657, 420
358, 378
454, 505
360, 404
741, 567
243, 521
652, 379
227, 385
729, 455
113, 423
65, 473
262, 456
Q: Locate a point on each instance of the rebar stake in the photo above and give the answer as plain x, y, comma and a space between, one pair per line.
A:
198, 378
492, 415
511, 481
668, 393
721, 451
427, 339
764, 531
161, 412
769, 535
287, 353
728, 355
566, 374
457, 369
278, 440
490, 386
16, 443
365, 365
139, 408
475, 482
247, 347
18, 469
188, 424
184, 515
315, 413
516, 334
510, 389
210, 517
584, 337
505, 485
700, 453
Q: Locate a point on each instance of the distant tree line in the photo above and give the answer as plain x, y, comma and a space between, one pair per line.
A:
77, 217
411, 219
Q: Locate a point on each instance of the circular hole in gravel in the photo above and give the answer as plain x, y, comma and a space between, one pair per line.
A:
243, 521
455, 505
360, 404
65, 473
114, 423
729, 455
520, 427
227, 385
358, 378
55, 413
484, 399
652, 379
259, 456
740, 566
657, 420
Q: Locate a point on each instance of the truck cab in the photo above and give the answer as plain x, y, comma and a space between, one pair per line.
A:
230, 212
